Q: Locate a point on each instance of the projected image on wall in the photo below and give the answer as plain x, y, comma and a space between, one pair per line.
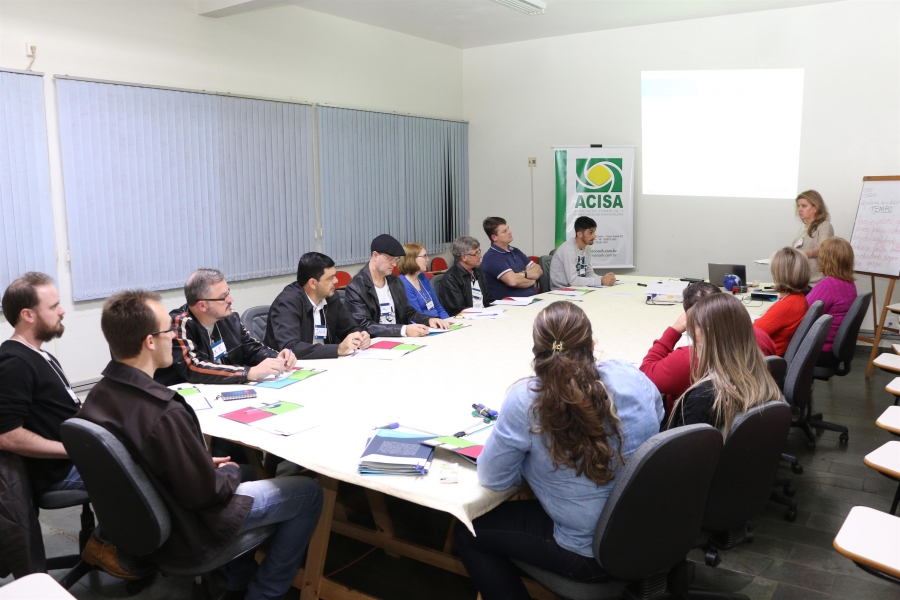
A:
721, 133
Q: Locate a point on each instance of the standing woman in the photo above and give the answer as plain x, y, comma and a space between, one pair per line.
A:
816, 227
837, 291
730, 375
418, 289
566, 431
790, 272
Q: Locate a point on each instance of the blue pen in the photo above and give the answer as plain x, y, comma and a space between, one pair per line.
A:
389, 426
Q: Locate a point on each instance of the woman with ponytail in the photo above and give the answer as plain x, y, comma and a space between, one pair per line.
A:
566, 431
729, 375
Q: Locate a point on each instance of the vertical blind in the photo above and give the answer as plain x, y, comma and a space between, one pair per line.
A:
26, 223
383, 173
161, 182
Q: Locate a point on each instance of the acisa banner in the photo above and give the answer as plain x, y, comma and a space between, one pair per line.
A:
598, 183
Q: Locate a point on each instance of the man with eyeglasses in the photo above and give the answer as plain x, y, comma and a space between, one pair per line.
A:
211, 344
463, 285
376, 297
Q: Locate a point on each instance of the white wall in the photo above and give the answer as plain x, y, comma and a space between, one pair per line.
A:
280, 53
522, 98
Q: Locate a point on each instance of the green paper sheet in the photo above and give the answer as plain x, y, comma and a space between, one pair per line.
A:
301, 375
281, 408
188, 391
407, 347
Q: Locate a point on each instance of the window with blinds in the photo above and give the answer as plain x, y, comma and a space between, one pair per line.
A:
161, 182
27, 242
384, 173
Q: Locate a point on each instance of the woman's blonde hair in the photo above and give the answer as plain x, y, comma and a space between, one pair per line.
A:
815, 198
790, 271
408, 264
836, 258
726, 353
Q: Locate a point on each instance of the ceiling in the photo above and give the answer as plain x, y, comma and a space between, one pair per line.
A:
472, 23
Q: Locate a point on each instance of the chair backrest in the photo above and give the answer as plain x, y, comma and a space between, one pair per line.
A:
552, 252
653, 514
341, 294
342, 278
812, 313
798, 380
438, 264
777, 369
544, 280
742, 484
255, 320
535, 259
133, 516
844, 344
396, 271
436, 283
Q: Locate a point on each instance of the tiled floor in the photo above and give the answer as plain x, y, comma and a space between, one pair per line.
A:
784, 561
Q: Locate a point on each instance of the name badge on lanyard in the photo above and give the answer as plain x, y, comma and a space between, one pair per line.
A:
321, 332
218, 350
73, 396
385, 309
799, 243
429, 304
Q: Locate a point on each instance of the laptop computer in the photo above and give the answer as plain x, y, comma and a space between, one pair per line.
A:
717, 273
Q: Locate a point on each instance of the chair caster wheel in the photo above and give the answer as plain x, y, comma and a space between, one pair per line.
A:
788, 491
712, 558
797, 468
748, 537
845, 437
790, 515
811, 444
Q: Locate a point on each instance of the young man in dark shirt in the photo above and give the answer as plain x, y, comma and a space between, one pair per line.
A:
35, 394
209, 504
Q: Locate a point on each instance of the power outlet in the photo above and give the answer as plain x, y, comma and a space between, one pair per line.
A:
532, 161
891, 320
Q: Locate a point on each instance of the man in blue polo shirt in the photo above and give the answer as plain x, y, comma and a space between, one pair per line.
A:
509, 272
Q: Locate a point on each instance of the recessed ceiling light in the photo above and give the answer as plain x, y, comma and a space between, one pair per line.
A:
529, 7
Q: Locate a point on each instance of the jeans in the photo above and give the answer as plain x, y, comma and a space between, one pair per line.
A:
71, 482
294, 503
520, 530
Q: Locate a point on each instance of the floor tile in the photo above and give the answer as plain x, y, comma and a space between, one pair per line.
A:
800, 576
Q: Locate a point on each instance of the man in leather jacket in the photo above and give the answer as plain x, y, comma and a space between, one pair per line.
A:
463, 285
377, 299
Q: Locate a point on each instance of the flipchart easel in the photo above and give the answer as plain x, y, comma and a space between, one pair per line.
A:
876, 244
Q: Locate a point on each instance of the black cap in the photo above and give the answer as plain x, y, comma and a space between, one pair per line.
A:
386, 244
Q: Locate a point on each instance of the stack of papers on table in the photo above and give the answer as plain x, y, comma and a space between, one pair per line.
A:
386, 350
494, 312
280, 418
396, 452
287, 378
524, 301
194, 398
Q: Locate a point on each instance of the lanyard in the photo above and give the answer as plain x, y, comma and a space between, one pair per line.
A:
56, 368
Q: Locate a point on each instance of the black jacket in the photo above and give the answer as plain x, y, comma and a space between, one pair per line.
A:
163, 435
291, 324
362, 300
193, 357
455, 289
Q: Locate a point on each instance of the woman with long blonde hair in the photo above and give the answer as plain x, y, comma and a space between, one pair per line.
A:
566, 431
816, 228
729, 375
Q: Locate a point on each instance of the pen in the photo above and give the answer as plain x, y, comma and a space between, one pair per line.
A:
389, 426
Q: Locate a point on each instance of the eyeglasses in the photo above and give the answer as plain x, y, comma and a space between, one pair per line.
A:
477, 254
169, 330
422, 256
222, 299
391, 259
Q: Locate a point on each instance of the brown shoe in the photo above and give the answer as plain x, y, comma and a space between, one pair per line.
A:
104, 555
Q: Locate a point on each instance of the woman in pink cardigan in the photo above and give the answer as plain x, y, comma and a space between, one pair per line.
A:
836, 290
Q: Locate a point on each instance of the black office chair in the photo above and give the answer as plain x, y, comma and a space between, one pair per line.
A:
255, 320
342, 294
799, 379
742, 484
436, 283
543, 284
812, 313
841, 357
651, 520
135, 519
778, 369
23, 546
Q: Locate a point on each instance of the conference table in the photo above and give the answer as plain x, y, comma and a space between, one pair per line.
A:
431, 389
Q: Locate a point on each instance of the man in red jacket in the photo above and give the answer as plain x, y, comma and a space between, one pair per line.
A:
669, 368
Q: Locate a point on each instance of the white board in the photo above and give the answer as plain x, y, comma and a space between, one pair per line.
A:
876, 232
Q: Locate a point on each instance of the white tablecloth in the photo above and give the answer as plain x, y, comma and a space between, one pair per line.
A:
433, 389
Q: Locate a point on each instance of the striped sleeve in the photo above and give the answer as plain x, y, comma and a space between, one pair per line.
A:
199, 368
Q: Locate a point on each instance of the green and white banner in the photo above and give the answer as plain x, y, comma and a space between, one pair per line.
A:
598, 183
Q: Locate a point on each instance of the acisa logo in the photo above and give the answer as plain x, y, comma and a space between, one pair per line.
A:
593, 177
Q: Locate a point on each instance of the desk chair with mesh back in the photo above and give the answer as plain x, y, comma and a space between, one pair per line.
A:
436, 284
23, 546
135, 518
651, 520
543, 283
742, 484
841, 357
255, 320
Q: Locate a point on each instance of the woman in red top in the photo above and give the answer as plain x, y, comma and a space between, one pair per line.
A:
790, 272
